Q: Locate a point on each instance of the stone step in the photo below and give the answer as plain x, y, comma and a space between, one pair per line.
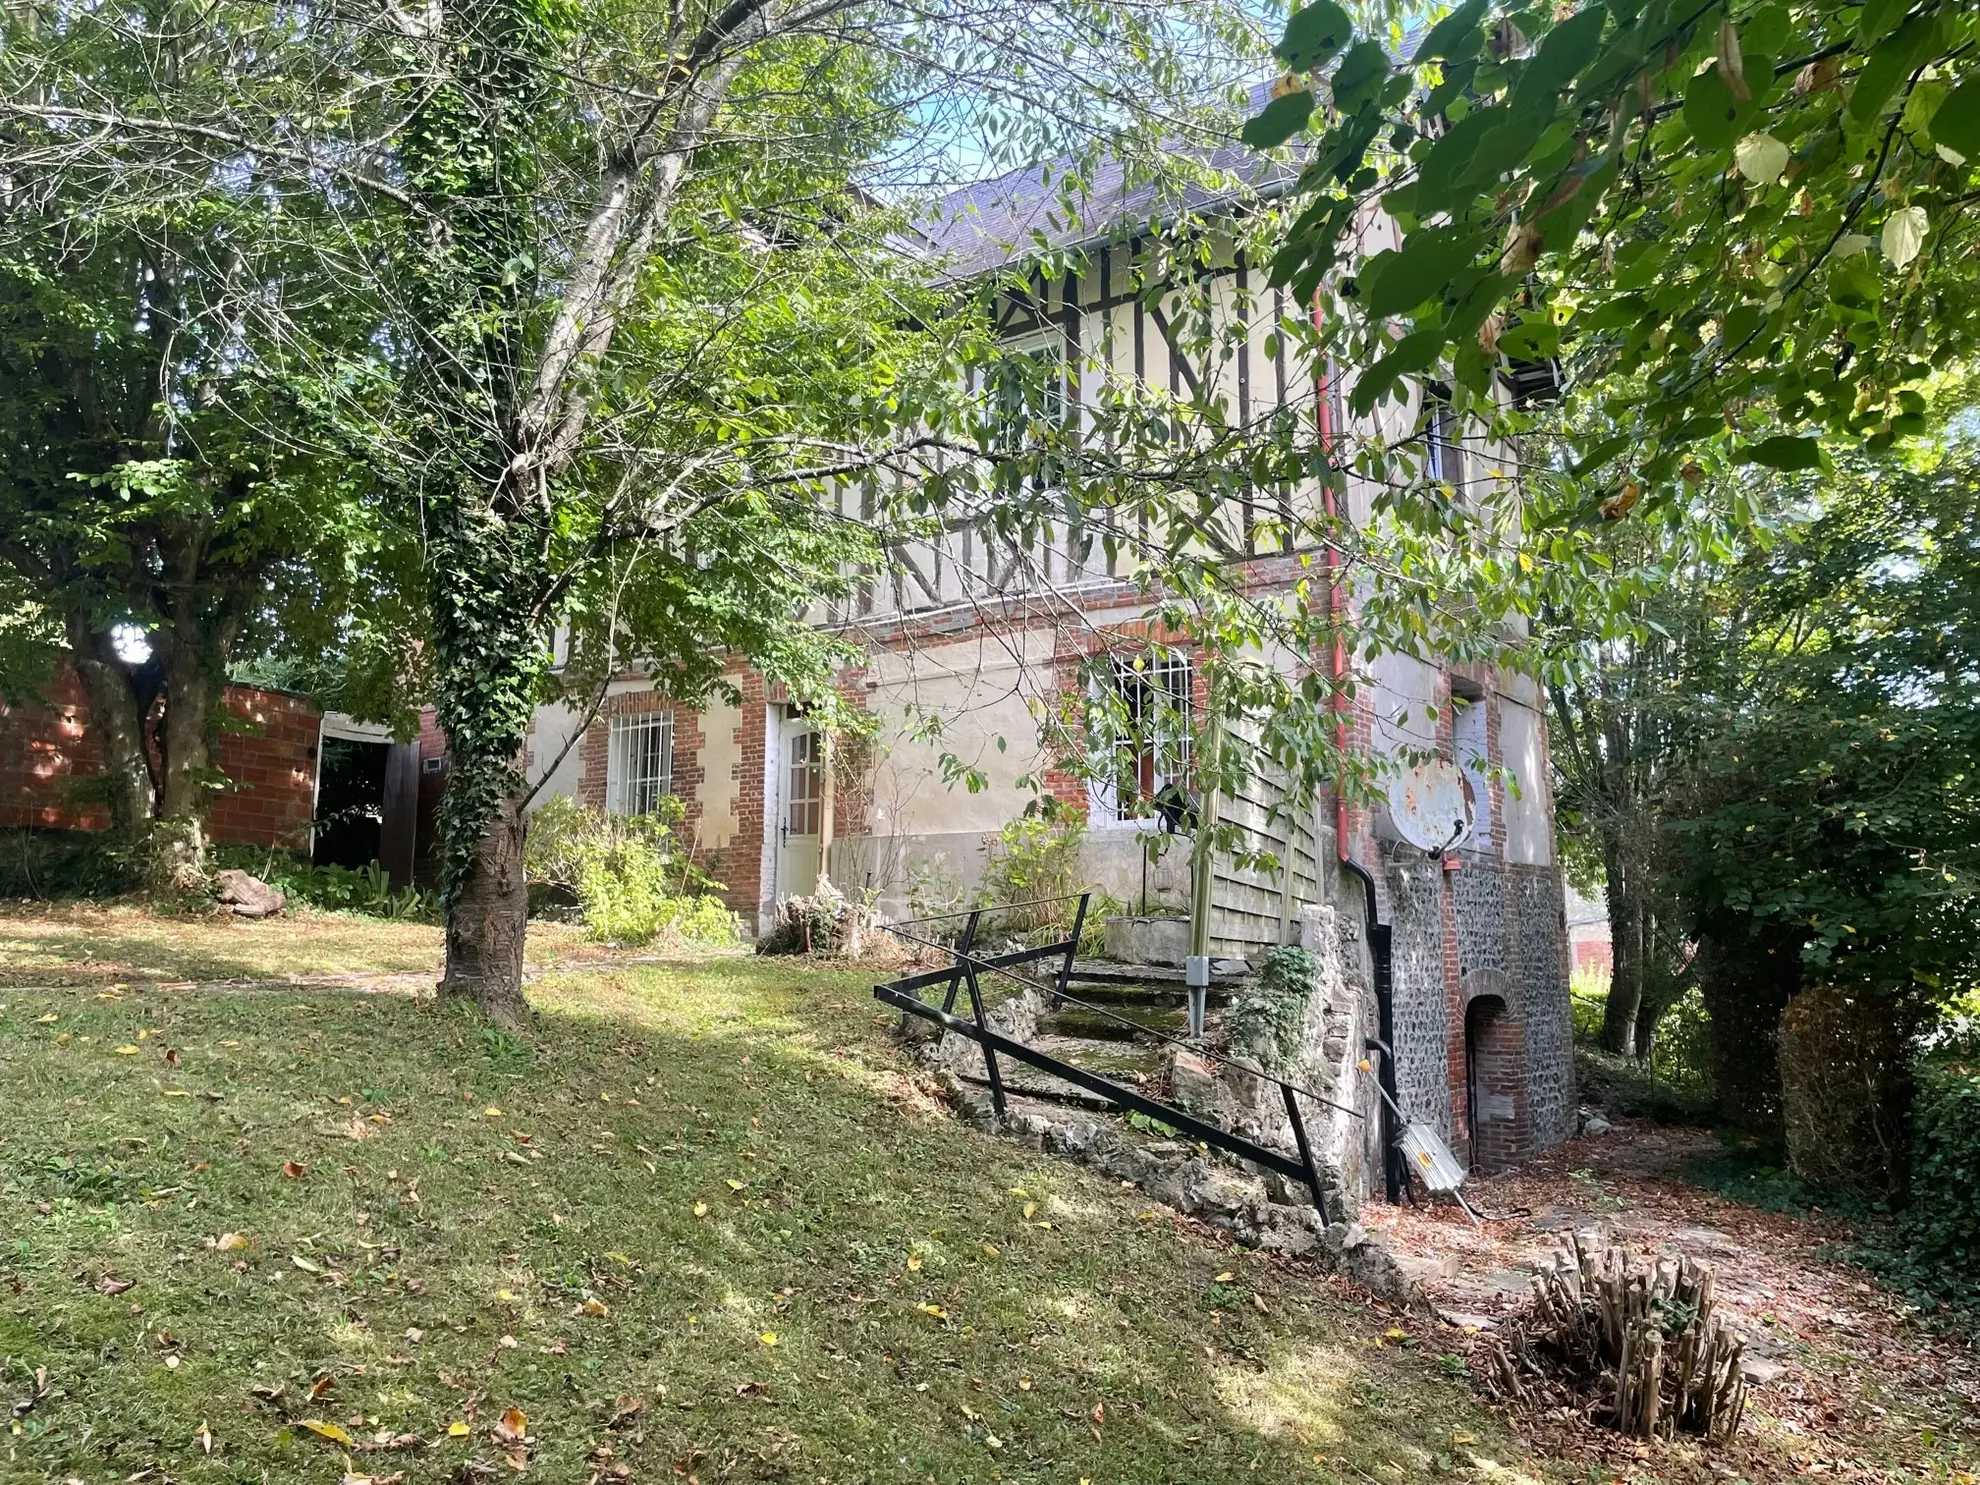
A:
1102, 1026
1131, 1063
1143, 995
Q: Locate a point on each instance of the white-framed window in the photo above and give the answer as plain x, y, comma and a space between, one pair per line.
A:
1471, 744
1141, 711
1028, 395
1443, 452
639, 767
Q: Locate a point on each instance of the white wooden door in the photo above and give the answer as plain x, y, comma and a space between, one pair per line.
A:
801, 808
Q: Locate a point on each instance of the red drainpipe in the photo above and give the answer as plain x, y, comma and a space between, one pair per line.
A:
1381, 946
1323, 413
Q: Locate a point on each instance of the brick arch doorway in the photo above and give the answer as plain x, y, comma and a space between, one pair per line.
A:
1495, 1078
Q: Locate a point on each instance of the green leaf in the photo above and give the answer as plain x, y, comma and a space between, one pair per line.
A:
1314, 34
1601, 454
1279, 120
1894, 60
1765, 31
1457, 35
1566, 49
1362, 70
1877, 19
1412, 353
1783, 451
1957, 123
1422, 269
1445, 165
1710, 109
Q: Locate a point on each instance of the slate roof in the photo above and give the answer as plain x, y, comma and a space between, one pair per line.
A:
988, 224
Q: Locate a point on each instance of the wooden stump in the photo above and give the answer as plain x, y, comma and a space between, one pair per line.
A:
1641, 1340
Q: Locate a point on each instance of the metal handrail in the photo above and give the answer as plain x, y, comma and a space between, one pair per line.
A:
1007, 907
994, 967
905, 993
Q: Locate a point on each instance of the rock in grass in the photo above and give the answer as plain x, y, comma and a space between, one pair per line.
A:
248, 896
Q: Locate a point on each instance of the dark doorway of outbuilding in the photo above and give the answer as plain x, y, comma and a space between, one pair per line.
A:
1492, 1055
350, 801
367, 804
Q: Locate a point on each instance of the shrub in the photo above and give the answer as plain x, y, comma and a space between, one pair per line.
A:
52, 864
1846, 1091
1267, 1019
631, 882
1937, 1251
826, 922
335, 889
1033, 868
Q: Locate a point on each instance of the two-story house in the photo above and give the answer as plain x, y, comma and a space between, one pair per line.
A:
985, 638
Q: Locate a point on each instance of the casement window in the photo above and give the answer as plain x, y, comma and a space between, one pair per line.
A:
639, 769
1028, 396
1469, 741
1443, 453
804, 791
1140, 713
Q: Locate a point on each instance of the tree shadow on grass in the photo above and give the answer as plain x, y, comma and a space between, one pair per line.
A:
711, 1191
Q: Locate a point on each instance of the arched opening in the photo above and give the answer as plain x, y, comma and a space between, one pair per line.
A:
1495, 1098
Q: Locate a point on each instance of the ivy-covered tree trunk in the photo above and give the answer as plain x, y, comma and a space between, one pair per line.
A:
116, 725
491, 661
487, 919
193, 651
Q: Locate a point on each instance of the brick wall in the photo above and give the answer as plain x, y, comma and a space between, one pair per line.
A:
595, 751
267, 751
44, 752
273, 766
739, 868
1498, 1074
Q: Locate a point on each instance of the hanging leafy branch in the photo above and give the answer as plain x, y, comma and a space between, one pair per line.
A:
1738, 225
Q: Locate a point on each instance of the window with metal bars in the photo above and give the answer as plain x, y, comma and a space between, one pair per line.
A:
639, 770
1140, 714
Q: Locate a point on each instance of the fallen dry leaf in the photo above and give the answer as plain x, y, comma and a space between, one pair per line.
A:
322, 1385
511, 1427
294, 1170
335, 1432
110, 1284
229, 1241
624, 1410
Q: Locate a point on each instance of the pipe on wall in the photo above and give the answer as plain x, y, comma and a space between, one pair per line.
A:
1381, 943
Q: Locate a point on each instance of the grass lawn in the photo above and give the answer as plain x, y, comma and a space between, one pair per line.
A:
700, 1226
106, 944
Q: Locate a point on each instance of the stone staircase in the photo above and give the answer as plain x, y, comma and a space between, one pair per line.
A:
1124, 1022
1107, 1025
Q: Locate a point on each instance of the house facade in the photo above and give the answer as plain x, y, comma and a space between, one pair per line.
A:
993, 641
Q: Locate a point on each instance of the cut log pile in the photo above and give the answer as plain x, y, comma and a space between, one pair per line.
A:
1635, 1343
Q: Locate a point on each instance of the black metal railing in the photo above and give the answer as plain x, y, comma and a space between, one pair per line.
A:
966, 970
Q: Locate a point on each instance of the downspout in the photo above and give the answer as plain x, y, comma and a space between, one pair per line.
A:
1381, 946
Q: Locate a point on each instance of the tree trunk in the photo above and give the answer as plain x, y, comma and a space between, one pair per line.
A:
1624, 887
193, 661
116, 725
486, 921
1747, 980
